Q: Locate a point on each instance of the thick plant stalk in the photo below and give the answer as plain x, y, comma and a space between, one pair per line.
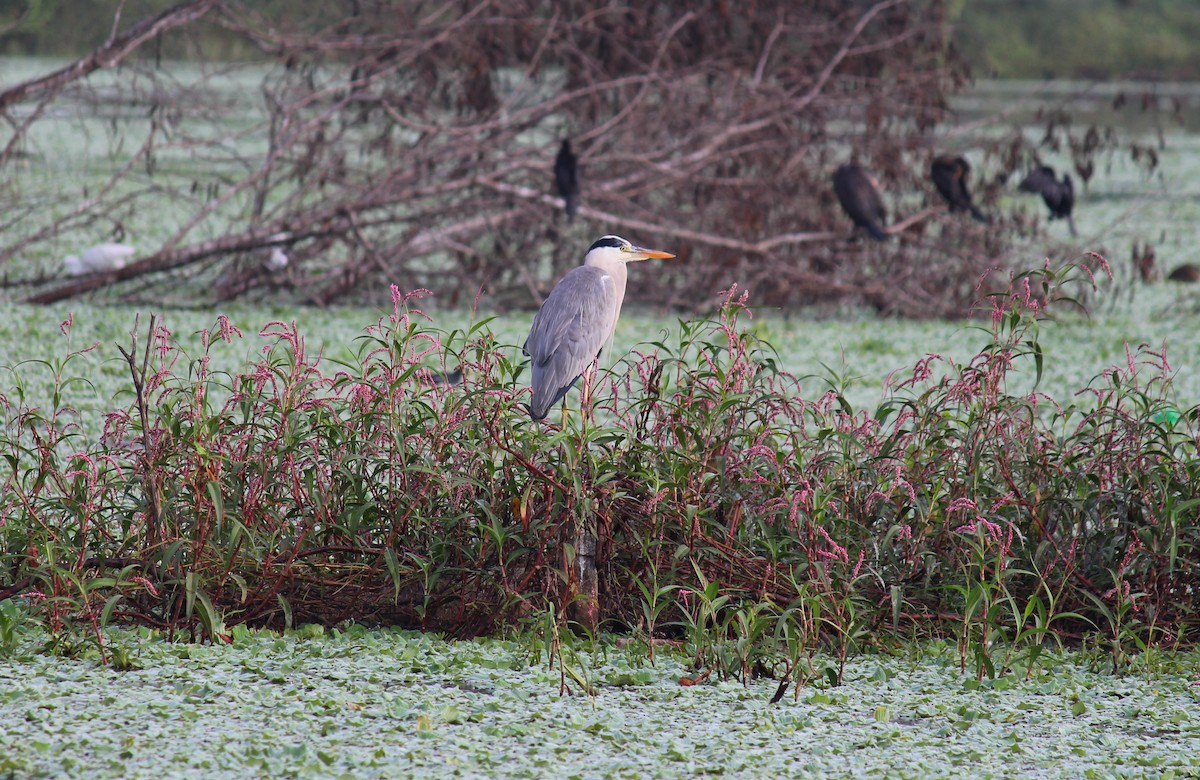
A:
585, 607
151, 480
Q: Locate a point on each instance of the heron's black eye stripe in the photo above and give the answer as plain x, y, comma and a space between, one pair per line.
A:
607, 240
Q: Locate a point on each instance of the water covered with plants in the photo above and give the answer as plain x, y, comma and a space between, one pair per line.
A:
353, 702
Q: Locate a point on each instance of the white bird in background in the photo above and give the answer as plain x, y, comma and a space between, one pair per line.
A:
278, 260
102, 257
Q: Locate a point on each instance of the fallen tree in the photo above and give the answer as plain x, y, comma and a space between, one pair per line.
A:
413, 143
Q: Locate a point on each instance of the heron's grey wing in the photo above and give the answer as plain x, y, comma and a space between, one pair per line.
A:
568, 332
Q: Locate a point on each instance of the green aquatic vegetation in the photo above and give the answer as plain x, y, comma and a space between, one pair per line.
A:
392, 703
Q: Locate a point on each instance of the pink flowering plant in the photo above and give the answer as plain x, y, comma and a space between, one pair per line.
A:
735, 510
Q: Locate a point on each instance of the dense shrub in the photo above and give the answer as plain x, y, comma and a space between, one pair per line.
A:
730, 509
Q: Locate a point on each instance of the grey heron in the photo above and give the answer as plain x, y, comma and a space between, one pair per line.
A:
1058, 195
949, 175
566, 178
102, 257
859, 195
578, 318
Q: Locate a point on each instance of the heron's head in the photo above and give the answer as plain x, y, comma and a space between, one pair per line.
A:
608, 249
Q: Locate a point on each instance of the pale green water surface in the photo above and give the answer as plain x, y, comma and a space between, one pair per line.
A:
397, 704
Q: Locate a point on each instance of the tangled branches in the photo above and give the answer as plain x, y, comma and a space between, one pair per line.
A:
408, 143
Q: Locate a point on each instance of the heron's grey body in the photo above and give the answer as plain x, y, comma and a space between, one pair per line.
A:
577, 319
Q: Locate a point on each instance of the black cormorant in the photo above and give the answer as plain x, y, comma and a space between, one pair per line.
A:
859, 195
949, 175
1059, 195
566, 178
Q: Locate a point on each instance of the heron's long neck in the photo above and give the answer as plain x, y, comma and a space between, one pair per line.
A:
615, 269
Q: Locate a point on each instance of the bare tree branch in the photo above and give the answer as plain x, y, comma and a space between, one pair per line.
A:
115, 49
412, 144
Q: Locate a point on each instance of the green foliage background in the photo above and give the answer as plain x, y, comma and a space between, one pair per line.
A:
1000, 38
1080, 38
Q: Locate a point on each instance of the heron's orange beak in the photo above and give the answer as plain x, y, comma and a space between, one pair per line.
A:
651, 254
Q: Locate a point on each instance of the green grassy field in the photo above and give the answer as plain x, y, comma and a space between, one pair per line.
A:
852, 356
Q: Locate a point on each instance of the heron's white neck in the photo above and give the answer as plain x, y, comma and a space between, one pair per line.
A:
614, 267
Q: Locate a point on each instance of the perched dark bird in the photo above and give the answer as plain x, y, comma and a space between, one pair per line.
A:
859, 195
949, 175
1186, 273
1059, 195
566, 178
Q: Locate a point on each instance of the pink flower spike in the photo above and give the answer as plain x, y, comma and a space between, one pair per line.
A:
227, 329
961, 503
147, 584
